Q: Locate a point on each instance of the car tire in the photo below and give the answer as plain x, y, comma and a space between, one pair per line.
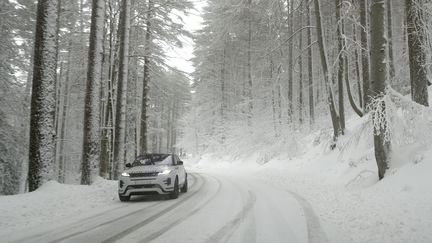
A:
124, 198
175, 193
185, 185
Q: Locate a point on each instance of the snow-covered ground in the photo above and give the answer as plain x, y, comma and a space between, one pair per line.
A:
343, 189
55, 203
315, 195
321, 196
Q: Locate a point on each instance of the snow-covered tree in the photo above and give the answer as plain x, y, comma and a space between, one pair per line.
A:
417, 39
91, 143
120, 117
43, 101
379, 82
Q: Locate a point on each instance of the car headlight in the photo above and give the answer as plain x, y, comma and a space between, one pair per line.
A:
125, 174
165, 172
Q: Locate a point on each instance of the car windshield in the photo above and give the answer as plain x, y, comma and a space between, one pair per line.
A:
153, 159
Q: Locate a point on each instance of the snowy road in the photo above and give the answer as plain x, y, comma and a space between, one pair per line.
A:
219, 207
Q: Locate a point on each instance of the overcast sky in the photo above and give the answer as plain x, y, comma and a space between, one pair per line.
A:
180, 56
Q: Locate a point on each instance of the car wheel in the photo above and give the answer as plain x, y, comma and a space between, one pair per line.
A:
175, 193
185, 185
124, 198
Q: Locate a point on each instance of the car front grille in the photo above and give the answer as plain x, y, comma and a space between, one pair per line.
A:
143, 174
141, 186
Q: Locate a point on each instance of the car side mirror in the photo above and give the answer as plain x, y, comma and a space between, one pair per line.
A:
128, 165
180, 163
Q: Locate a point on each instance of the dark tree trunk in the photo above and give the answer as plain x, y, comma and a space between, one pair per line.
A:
300, 69
249, 64
348, 87
340, 70
91, 138
146, 80
310, 68
290, 59
223, 108
357, 67
63, 125
42, 118
364, 53
379, 80
390, 39
417, 55
327, 74
120, 121
108, 131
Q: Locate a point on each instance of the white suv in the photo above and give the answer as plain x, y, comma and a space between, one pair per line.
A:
153, 174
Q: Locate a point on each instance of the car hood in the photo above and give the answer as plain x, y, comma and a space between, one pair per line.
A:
147, 169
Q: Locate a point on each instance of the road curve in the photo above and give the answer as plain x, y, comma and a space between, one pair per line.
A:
219, 207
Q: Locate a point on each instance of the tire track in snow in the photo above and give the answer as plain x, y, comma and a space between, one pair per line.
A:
155, 216
190, 214
223, 234
68, 227
101, 224
315, 232
74, 225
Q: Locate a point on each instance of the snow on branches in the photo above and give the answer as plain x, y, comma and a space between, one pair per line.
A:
403, 120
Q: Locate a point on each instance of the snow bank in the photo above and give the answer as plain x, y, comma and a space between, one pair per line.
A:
55, 202
342, 184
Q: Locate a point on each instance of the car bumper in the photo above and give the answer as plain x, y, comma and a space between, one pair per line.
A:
146, 185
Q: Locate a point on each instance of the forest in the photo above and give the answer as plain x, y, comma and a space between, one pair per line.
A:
86, 84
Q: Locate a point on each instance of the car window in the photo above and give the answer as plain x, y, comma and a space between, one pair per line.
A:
153, 159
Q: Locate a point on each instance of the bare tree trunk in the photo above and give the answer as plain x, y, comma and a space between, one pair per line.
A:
290, 5
162, 111
249, 64
120, 123
132, 94
327, 74
310, 69
146, 80
379, 79
91, 138
348, 87
365, 53
223, 108
42, 126
341, 57
271, 84
66, 93
300, 69
168, 128
357, 67
108, 131
390, 39
279, 95
58, 99
172, 128
417, 55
